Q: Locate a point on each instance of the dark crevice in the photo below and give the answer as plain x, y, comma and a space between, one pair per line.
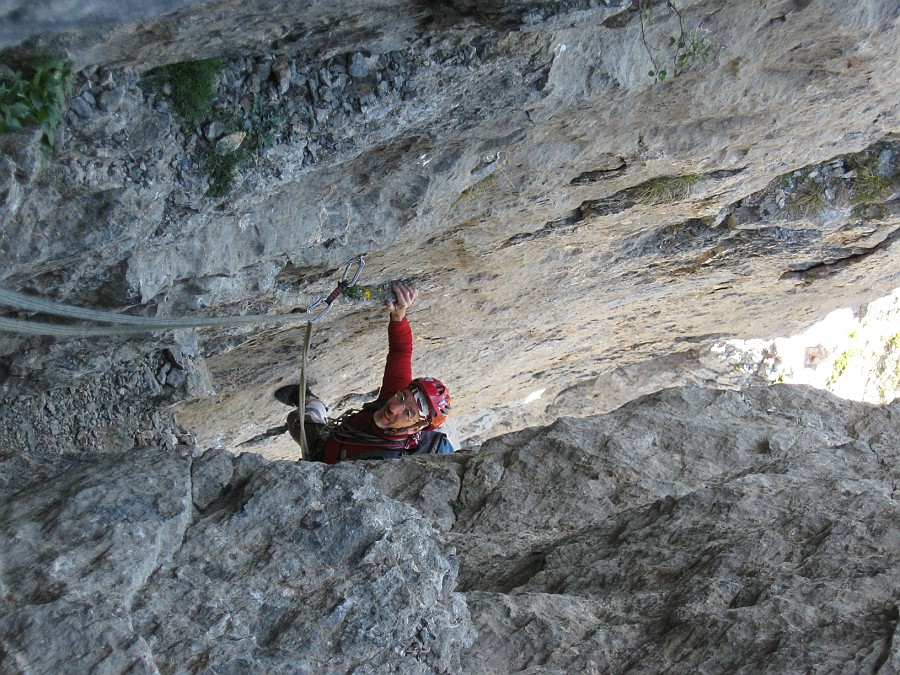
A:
530, 564
825, 269
606, 206
621, 19
609, 167
892, 616
561, 226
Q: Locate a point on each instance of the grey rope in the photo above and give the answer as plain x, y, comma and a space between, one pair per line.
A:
38, 328
301, 400
125, 324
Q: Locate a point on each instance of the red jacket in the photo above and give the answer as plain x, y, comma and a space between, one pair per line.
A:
397, 375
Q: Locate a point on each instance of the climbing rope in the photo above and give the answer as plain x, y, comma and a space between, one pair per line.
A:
124, 324
346, 282
301, 401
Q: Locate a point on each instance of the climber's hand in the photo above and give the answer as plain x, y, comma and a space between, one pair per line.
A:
404, 296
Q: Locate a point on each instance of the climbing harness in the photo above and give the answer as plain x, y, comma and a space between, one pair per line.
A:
123, 324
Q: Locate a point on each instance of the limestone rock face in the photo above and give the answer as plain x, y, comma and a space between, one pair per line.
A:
152, 561
506, 156
580, 233
691, 530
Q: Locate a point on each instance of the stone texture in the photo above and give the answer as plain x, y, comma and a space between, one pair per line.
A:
689, 530
276, 567
499, 154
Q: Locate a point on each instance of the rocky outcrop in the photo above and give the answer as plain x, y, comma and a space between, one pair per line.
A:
157, 561
691, 529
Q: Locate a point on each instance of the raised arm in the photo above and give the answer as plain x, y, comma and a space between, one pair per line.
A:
398, 366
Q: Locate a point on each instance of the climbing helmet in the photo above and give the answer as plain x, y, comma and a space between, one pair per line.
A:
433, 399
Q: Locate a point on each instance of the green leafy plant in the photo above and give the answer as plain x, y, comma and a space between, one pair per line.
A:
686, 46
193, 87
665, 189
34, 94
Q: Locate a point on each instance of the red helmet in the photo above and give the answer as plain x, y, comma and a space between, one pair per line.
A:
436, 397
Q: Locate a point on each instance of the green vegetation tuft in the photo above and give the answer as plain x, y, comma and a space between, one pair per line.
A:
869, 186
665, 189
807, 199
221, 168
261, 128
840, 365
893, 343
265, 124
889, 384
34, 94
193, 87
483, 188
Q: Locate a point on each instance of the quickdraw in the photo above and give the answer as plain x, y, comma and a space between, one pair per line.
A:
345, 283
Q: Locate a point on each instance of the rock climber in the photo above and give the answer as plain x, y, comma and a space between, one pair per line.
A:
402, 421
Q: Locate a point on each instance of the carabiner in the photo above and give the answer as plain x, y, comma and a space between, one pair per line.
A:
320, 301
362, 263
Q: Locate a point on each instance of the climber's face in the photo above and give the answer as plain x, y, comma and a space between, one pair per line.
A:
399, 412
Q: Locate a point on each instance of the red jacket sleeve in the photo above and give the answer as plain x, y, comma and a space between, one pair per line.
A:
398, 367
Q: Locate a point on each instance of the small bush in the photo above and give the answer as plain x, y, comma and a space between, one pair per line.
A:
35, 94
686, 46
193, 85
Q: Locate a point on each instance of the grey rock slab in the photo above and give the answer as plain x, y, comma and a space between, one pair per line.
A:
77, 547
690, 530
281, 567
430, 484
298, 568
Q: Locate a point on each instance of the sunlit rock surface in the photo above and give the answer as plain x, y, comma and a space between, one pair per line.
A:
498, 159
